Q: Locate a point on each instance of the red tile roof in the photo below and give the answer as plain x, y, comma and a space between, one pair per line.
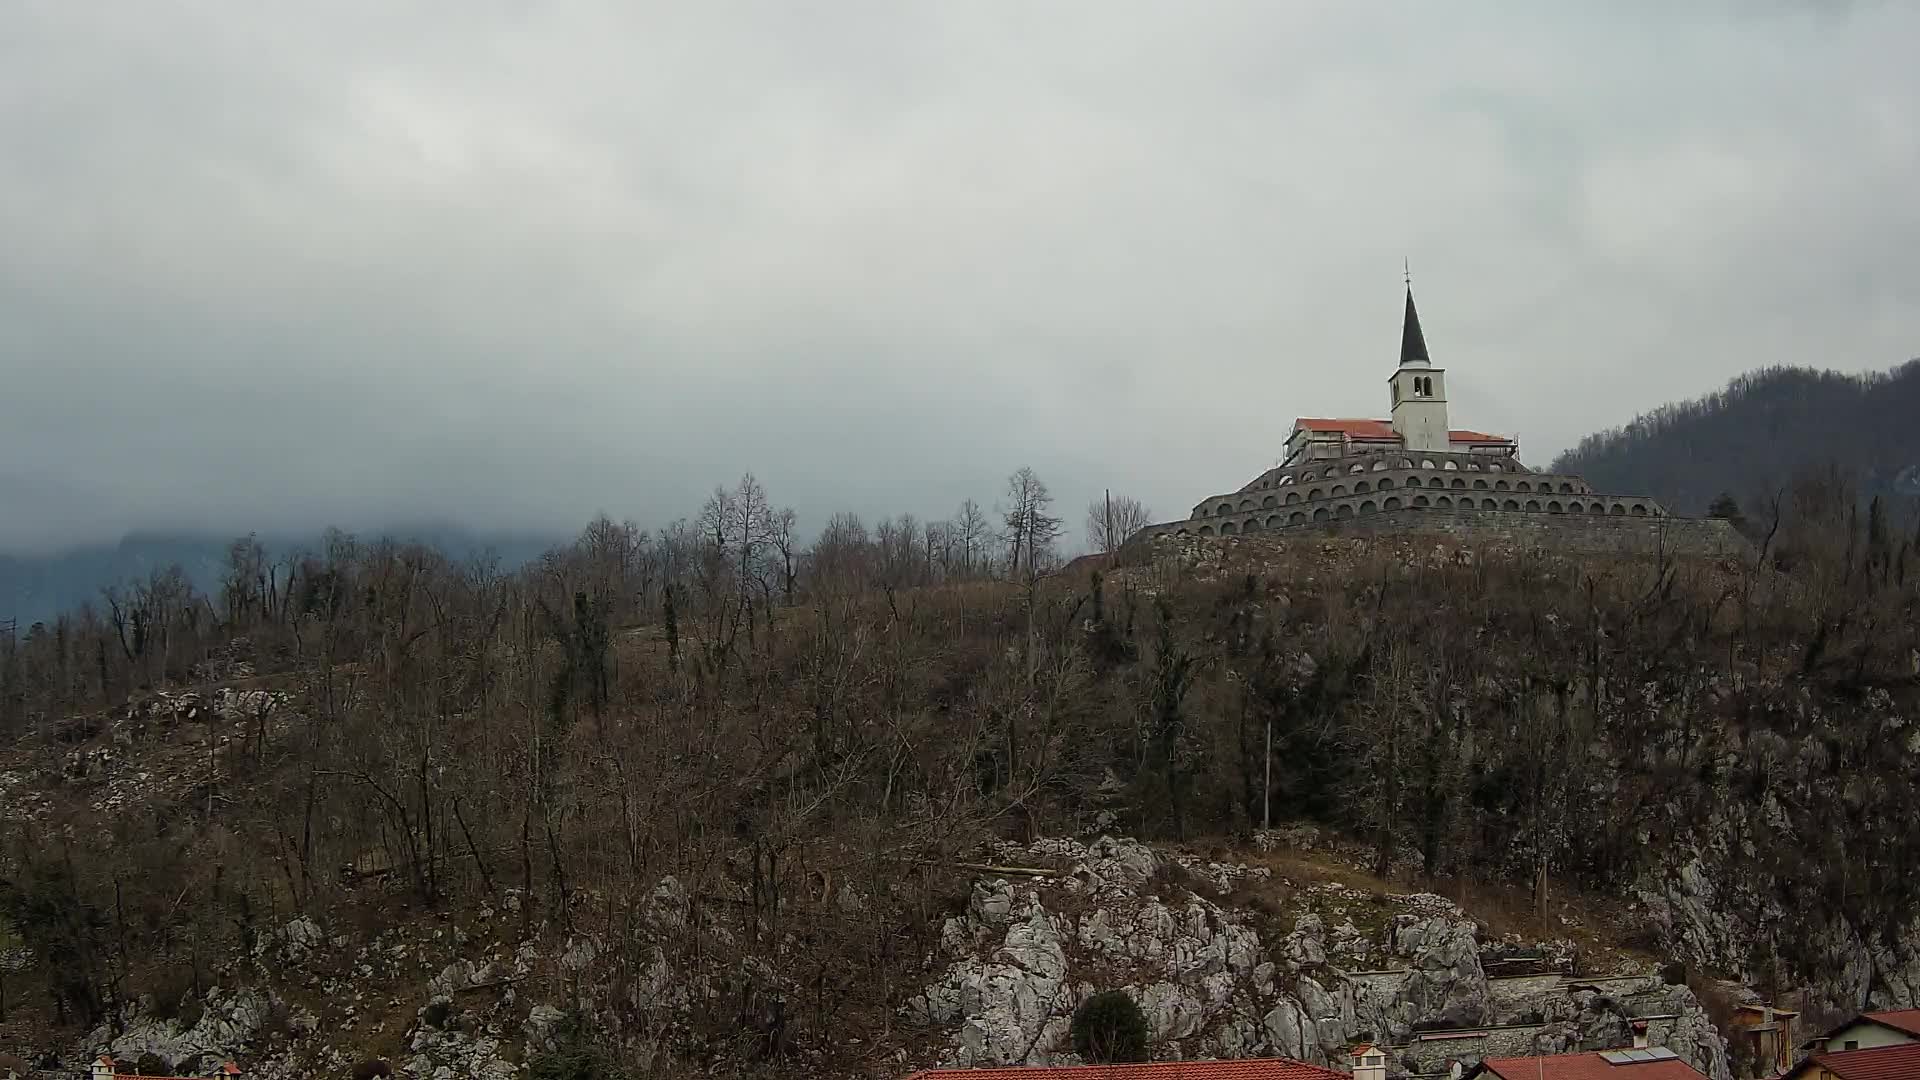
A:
1359, 429
1589, 1066
1245, 1069
1356, 428
229, 1069
1900, 1062
1907, 1020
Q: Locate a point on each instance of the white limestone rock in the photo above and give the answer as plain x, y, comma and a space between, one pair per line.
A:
1013, 1004
228, 1024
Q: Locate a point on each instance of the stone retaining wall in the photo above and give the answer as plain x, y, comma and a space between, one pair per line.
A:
1588, 533
1565, 532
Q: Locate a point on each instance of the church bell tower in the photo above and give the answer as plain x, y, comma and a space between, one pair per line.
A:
1419, 390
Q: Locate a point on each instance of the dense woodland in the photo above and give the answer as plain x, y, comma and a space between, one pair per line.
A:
770, 722
1750, 439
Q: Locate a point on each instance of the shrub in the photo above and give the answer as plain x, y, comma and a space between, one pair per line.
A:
1109, 1028
152, 1064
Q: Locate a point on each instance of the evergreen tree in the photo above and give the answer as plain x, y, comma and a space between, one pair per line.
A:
1108, 1029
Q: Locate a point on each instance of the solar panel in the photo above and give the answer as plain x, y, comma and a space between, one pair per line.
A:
1634, 1057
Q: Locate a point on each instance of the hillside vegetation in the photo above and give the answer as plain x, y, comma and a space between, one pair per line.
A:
1751, 439
705, 797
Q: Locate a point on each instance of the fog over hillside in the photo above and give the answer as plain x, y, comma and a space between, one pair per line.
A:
511, 266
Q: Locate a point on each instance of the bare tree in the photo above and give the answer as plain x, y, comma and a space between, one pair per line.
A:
969, 536
1113, 519
1030, 531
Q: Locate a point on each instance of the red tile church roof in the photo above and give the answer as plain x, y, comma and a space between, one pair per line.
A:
1355, 428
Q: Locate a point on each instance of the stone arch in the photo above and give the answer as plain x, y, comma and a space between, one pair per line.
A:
1298, 517
1380, 466
1459, 482
1473, 466
1479, 485
1224, 508
1533, 504
1321, 514
1269, 501
1554, 507
1252, 525
1314, 494
1449, 466
1444, 502
1368, 507
1488, 504
1500, 485
1228, 528
1385, 484
1421, 500
1524, 486
1285, 480
1596, 508
1494, 466
1338, 490
1618, 510
1392, 503
1427, 463
1510, 504
1206, 530
1362, 488
1413, 481
1406, 463
1292, 497
1576, 507
1357, 467
1344, 510
1273, 521
1638, 510
1566, 488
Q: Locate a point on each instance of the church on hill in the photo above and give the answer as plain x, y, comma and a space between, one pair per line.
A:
1414, 471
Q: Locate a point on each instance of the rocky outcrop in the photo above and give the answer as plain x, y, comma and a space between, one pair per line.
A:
1022, 957
229, 1022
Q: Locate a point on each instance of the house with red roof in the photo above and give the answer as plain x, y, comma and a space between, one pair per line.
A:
1655, 1063
1892, 1027
1898, 1061
105, 1068
1242, 1069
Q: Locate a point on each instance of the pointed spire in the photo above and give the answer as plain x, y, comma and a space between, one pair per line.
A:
1413, 344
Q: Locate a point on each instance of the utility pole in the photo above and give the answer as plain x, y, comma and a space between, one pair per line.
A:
1107, 540
1266, 789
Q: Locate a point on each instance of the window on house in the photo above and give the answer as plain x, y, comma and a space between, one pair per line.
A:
1853, 1044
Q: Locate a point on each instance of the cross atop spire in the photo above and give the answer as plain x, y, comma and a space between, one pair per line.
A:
1413, 344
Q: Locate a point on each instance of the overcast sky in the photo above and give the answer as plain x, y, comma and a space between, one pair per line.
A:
512, 263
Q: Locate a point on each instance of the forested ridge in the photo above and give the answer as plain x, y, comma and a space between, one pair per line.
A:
794, 743
1750, 439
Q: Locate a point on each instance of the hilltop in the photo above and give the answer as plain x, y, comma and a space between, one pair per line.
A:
685, 808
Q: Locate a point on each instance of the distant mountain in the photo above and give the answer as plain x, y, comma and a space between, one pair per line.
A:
1753, 436
39, 587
